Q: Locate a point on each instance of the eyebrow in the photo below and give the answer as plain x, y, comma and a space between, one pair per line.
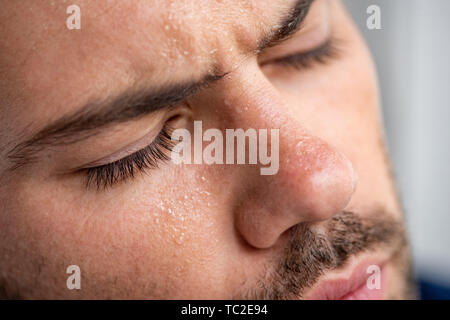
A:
98, 114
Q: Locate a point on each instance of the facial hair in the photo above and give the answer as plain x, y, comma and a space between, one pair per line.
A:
309, 254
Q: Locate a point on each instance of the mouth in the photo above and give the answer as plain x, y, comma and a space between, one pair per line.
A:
365, 281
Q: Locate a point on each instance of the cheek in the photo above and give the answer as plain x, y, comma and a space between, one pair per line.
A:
149, 237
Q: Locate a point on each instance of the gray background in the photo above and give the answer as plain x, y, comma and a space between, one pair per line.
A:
412, 52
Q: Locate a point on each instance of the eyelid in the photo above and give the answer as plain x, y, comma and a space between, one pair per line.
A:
108, 174
321, 53
127, 150
157, 122
291, 46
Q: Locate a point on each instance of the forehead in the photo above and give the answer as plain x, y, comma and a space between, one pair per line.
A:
120, 43
137, 36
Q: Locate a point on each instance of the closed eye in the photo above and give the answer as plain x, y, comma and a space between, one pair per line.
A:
150, 157
304, 60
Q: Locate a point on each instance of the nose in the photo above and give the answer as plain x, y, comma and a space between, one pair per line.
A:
314, 182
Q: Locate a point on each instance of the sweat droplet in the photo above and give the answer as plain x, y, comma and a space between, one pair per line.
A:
300, 147
179, 239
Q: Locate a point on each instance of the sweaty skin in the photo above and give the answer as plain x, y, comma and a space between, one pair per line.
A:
191, 231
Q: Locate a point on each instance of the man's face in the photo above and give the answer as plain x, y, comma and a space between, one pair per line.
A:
81, 116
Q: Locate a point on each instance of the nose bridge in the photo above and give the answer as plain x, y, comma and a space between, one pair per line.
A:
314, 180
249, 100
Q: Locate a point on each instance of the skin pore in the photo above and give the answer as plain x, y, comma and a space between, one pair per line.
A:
190, 231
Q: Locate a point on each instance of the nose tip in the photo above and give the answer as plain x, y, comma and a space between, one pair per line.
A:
313, 184
327, 183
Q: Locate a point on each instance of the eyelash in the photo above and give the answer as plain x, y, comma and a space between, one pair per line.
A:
300, 61
107, 175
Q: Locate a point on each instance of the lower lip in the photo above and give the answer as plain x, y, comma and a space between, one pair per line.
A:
364, 293
353, 288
